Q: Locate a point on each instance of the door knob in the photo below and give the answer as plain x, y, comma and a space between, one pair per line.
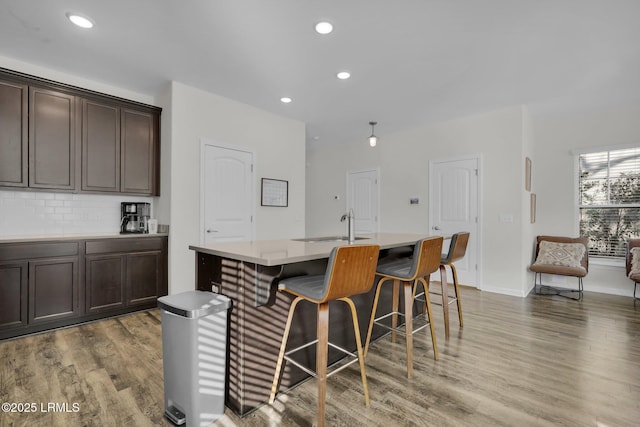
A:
212, 231
435, 227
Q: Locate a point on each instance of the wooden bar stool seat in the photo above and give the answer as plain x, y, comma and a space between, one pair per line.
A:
350, 271
410, 272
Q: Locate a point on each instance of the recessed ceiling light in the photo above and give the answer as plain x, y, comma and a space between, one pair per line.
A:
343, 75
79, 20
286, 99
324, 27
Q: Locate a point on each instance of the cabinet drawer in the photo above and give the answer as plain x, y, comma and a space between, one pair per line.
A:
124, 245
15, 251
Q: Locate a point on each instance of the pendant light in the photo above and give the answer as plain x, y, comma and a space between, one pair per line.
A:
373, 139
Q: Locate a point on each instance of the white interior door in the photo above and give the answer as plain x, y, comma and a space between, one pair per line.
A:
227, 194
362, 197
453, 207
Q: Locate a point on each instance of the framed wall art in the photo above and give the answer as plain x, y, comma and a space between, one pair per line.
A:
275, 192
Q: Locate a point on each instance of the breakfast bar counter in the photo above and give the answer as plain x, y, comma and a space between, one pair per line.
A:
288, 251
248, 273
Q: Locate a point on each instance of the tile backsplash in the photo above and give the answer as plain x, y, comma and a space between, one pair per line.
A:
28, 213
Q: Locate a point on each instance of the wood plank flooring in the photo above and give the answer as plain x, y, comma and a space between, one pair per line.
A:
537, 361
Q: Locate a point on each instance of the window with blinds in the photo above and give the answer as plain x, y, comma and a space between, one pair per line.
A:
609, 200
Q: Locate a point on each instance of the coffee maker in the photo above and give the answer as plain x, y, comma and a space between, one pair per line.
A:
135, 217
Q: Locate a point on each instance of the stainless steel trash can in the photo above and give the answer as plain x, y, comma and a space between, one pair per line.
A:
194, 352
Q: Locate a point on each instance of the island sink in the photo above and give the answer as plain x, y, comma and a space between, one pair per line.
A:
327, 239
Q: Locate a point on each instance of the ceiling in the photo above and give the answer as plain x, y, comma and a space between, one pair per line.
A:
412, 62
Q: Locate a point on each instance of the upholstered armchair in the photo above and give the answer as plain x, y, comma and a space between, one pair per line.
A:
633, 262
564, 256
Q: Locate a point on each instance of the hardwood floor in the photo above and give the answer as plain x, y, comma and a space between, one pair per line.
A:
537, 361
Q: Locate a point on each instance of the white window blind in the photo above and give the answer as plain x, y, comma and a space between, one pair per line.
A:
609, 199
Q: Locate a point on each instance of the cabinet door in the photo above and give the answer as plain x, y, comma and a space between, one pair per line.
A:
13, 134
100, 146
52, 140
144, 277
138, 140
53, 289
104, 282
13, 295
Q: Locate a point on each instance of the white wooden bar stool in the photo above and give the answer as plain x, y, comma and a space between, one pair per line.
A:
350, 271
410, 272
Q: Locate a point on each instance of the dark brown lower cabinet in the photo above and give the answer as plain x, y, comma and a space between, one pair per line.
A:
54, 289
123, 280
125, 273
44, 285
13, 289
144, 276
104, 282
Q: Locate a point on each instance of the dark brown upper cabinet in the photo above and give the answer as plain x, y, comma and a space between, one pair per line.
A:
52, 139
13, 134
138, 167
60, 137
100, 146
119, 149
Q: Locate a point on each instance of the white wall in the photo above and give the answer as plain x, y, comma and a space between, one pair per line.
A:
403, 158
555, 182
280, 153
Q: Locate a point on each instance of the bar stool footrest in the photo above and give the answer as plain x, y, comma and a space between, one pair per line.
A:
452, 298
399, 329
342, 364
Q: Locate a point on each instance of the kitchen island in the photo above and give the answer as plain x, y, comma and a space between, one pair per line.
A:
248, 273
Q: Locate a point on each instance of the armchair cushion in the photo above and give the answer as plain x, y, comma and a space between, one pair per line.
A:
561, 255
634, 273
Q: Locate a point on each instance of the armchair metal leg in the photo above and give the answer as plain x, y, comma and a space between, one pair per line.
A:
538, 287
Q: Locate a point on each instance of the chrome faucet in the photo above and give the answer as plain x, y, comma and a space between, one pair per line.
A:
351, 225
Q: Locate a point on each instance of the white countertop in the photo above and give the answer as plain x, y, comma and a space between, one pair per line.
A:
287, 251
79, 236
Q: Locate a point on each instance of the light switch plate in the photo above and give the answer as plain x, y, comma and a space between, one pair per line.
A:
506, 218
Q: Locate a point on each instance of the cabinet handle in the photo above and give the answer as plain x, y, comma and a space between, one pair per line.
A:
436, 227
212, 231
